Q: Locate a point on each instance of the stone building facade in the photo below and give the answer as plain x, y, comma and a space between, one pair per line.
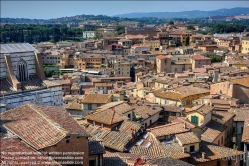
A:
22, 78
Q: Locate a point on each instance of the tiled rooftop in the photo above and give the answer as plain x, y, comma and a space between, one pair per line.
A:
200, 57
240, 114
119, 139
97, 98
35, 129
153, 150
94, 132
167, 161
75, 105
120, 107
169, 129
13, 145
202, 109
223, 115
144, 111
174, 150
211, 131
107, 116
187, 138
180, 92
212, 152
241, 81
60, 116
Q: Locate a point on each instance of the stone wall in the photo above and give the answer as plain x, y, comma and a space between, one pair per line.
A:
51, 96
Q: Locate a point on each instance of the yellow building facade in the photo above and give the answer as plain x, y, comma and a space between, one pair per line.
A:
245, 45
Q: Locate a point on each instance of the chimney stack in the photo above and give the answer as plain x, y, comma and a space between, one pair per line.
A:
203, 155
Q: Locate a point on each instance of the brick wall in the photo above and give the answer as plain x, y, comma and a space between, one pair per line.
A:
241, 93
75, 144
221, 87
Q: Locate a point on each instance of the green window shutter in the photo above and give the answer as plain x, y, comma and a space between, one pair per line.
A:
192, 119
196, 120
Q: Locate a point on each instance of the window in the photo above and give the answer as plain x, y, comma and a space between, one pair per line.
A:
194, 119
98, 105
22, 70
150, 122
192, 148
145, 125
89, 106
199, 62
165, 101
67, 141
218, 163
241, 130
129, 115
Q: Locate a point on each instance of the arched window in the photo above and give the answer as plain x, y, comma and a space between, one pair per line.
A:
22, 72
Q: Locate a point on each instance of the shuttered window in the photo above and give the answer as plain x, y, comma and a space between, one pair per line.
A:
194, 119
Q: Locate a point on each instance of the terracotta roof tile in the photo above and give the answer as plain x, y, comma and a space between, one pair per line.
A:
241, 81
241, 114
202, 109
180, 92
174, 150
32, 127
144, 111
223, 115
120, 107
153, 150
119, 139
187, 138
96, 98
75, 105
169, 129
14, 145
107, 116
200, 57
167, 161
211, 131
213, 152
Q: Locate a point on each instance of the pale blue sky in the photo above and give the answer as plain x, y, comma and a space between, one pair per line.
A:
55, 9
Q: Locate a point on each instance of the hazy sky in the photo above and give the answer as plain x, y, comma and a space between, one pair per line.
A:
55, 9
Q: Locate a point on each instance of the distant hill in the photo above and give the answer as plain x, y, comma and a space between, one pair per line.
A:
189, 14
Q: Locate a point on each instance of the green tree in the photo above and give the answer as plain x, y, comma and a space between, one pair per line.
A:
171, 22
190, 27
120, 29
215, 59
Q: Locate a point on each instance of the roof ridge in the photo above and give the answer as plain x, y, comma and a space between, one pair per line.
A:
49, 120
169, 124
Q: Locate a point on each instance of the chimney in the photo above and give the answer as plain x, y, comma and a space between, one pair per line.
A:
203, 155
184, 150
